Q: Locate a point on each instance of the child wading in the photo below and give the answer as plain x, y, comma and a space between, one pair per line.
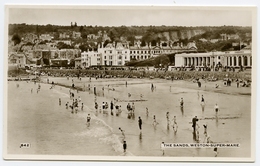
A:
88, 120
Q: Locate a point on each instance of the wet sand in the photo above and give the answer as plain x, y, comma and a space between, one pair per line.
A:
63, 127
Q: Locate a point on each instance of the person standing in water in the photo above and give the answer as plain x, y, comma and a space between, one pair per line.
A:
181, 105
174, 125
216, 108
82, 107
167, 118
111, 108
140, 123
194, 122
124, 146
147, 112
95, 90
202, 106
155, 123
162, 148
88, 120
202, 98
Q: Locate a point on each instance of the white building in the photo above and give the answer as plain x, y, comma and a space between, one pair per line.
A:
210, 59
46, 37
90, 58
68, 42
141, 53
17, 59
114, 54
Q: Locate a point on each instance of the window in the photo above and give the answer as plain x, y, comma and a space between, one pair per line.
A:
105, 51
141, 52
125, 51
111, 52
130, 52
110, 57
105, 57
137, 52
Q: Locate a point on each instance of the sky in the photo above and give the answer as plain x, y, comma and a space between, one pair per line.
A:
128, 16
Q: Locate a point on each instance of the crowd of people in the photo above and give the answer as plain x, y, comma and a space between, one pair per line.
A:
114, 108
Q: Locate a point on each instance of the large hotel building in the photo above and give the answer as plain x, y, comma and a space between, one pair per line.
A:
118, 54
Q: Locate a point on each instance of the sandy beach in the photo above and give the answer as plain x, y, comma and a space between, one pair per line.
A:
37, 118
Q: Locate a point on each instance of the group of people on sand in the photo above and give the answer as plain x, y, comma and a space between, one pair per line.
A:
114, 108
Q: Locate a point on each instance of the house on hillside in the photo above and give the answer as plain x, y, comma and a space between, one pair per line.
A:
64, 35
30, 37
76, 35
46, 37
17, 59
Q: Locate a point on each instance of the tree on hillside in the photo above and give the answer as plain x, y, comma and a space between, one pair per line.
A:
161, 61
153, 42
143, 43
226, 47
16, 39
171, 58
131, 39
105, 43
81, 28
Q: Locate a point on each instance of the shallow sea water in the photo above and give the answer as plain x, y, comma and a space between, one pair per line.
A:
66, 133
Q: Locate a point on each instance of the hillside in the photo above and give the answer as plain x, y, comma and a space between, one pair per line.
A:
153, 34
